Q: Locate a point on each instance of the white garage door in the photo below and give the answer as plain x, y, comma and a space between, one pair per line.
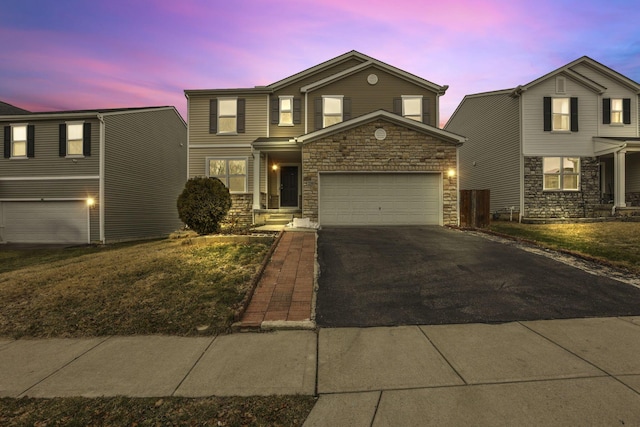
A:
44, 222
380, 199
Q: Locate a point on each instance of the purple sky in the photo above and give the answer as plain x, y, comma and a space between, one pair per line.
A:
79, 54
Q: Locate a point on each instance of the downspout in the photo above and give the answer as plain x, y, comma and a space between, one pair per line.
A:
101, 178
306, 112
458, 184
188, 131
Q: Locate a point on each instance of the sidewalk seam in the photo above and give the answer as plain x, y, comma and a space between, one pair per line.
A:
442, 355
173, 393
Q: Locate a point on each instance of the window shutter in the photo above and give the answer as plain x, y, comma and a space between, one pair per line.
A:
213, 115
7, 142
397, 106
317, 104
426, 112
606, 111
626, 111
574, 114
346, 109
86, 139
241, 116
275, 110
297, 111
31, 137
547, 113
63, 140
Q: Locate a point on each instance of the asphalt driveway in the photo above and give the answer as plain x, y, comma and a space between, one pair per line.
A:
432, 275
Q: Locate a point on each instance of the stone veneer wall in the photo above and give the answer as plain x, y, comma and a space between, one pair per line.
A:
241, 212
357, 150
561, 204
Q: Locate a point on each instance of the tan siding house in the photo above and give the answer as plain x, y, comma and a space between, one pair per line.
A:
91, 176
254, 140
568, 141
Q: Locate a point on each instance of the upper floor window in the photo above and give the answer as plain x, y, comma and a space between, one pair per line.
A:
226, 116
616, 111
286, 111
412, 107
75, 139
19, 141
232, 173
560, 114
331, 110
561, 173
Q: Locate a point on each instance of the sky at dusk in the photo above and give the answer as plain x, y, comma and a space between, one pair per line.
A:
81, 54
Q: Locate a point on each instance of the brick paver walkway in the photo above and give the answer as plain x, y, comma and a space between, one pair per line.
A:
285, 290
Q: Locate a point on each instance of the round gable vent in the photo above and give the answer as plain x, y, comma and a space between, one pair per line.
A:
380, 134
372, 79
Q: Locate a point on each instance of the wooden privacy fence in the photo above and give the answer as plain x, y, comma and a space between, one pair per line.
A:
475, 208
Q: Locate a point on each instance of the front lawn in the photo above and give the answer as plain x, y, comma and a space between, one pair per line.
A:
615, 243
157, 287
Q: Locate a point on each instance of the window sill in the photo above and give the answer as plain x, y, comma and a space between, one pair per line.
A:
285, 124
226, 133
74, 156
616, 125
562, 132
554, 190
19, 158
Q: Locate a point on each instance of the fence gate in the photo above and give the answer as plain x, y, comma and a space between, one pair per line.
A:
475, 208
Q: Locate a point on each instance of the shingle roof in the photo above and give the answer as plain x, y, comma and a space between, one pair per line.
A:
6, 109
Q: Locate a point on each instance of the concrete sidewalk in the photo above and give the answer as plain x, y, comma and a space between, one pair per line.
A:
554, 372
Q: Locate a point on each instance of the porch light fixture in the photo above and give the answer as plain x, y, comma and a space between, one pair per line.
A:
451, 173
274, 167
91, 202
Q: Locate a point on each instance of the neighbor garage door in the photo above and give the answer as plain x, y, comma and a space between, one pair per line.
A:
44, 222
380, 199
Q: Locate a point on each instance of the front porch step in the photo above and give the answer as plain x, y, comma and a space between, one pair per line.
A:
276, 218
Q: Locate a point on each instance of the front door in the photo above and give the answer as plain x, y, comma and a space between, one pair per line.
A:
289, 186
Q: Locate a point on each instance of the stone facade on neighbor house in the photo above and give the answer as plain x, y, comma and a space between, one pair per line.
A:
561, 204
357, 150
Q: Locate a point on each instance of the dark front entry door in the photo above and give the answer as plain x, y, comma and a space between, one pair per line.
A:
289, 186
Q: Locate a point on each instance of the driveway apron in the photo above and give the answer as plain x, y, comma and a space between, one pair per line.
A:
388, 276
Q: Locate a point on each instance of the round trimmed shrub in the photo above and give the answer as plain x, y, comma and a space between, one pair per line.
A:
203, 204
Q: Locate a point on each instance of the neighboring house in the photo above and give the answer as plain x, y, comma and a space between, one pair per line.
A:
350, 141
560, 146
91, 176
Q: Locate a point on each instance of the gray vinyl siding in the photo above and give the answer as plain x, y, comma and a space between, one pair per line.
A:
47, 161
144, 172
491, 123
537, 142
366, 98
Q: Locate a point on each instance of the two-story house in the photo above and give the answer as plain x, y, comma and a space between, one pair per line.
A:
91, 176
556, 147
352, 140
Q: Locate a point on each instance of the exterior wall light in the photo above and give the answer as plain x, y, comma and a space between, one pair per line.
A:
274, 167
91, 202
451, 173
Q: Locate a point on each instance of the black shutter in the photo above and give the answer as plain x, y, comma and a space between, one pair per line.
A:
426, 112
397, 106
86, 139
275, 111
297, 111
213, 115
626, 111
31, 137
574, 114
606, 111
546, 108
346, 109
7, 142
317, 104
241, 116
62, 140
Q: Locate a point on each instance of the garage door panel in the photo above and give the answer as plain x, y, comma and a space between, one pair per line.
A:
44, 222
380, 199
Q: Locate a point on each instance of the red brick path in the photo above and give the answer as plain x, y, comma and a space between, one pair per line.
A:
285, 290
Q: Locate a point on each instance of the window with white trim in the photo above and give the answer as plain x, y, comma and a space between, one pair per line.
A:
560, 114
561, 173
75, 139
232, 173
286, 111
616, 111
412, 107
227, 115
331, 110
18, 141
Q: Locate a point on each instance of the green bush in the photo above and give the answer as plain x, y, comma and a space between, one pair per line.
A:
203, 204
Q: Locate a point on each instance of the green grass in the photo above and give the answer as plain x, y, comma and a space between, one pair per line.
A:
615, 243
122, 411
157, 287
